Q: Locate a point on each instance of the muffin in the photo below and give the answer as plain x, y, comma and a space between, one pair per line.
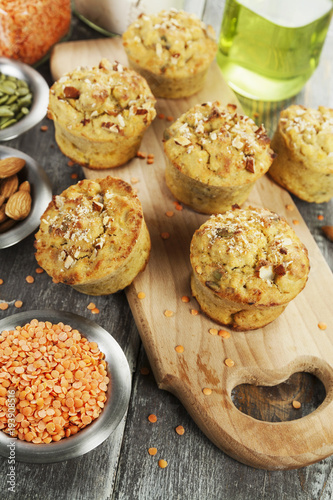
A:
303, 142
93, 236
214, 156
172, 50
100, 114
247, 264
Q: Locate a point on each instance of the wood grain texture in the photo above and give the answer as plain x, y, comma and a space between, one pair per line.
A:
293, 343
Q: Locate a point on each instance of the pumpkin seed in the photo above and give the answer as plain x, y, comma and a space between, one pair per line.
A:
3, 99
5, 111
15, 100
8, 123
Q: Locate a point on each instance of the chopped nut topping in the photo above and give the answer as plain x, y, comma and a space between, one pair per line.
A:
182, 141
71, 93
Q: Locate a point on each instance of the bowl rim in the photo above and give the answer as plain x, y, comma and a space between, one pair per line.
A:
41, 197
118, 394
40, 90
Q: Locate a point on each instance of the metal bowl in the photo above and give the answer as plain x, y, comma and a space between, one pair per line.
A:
40, 91
41, 193
118, 393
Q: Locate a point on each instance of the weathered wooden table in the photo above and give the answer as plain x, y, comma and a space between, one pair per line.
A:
121, 467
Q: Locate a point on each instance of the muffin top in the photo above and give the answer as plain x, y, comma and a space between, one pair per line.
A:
309, 132
250, 256
218, 146
170, 43
88, 230
103, 100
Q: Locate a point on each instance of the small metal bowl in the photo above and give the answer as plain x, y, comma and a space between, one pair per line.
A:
41, 193
40, 91
118, 393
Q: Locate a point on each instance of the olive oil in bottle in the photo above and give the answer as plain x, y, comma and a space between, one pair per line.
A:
268, 49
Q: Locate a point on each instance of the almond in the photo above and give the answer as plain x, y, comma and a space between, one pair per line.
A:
19, 205
10, 166
3, 216
7, 224
8, 186
25, 186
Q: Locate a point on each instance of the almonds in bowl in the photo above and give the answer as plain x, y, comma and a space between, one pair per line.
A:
15, 197
25, 192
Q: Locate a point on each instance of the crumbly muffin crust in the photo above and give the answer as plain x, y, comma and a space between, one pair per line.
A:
93, 236
215, 155
171, 47
304, 144
248, 264
101, 113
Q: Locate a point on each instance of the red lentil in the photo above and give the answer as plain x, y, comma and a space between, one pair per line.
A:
3, 306
229, 362
152, 418
39, 270
30, 279
322, 325
296, 404
207, 391
152, 451
165, 236
141, 295
168, 313
178, 206
179, 349
52, 402
180, 430
44, 128
185, 299
162, 463
18, 303
224, 333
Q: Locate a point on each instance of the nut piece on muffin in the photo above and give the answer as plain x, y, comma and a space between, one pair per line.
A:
214, 157
303, 142
172, 50
247, 265
100, 114
93, 236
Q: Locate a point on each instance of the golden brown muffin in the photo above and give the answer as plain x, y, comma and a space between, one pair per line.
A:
303, 142
172, 50
93, 236
214, 157
100, 114
248, 264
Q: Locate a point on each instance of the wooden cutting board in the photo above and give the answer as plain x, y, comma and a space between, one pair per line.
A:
292, 343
